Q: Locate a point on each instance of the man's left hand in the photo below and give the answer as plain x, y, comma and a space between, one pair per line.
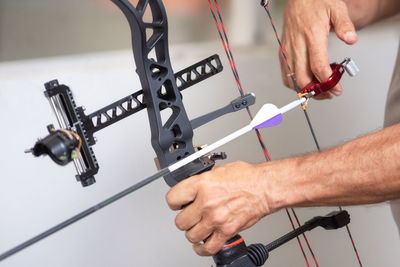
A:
223, 202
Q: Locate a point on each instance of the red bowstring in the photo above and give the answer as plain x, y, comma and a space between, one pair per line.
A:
352, 242
265, 4
305, 238
225, 43
228, 51
279, 41
298, 239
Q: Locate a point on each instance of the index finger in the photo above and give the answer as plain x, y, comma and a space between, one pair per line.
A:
319, 58
320, 66
182, 193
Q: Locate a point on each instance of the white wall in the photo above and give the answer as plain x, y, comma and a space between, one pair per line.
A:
139, 230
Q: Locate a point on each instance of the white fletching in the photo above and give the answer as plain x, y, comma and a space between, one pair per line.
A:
266, 112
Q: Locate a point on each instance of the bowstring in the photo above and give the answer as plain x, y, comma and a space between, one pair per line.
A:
226, 45
265, 4
291, 74
225, 42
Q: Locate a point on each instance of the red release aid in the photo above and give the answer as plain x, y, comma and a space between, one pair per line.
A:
317, 87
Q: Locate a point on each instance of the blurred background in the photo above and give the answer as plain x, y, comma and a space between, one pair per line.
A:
86, 44
59, 27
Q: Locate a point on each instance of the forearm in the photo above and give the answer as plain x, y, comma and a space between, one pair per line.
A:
363, 171
365, 12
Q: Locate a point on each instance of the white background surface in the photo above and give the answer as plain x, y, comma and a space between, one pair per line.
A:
139, 230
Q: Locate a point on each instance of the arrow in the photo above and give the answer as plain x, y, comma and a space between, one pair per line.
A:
269, 115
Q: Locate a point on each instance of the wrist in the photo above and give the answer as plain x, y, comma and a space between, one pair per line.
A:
285, 183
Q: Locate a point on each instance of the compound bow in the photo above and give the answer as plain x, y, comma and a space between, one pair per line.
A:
172, 137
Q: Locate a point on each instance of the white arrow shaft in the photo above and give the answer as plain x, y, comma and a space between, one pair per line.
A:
293, 105
210, 148
234, 135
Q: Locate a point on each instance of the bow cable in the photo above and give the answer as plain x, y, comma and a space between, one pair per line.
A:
265, 5
225, 42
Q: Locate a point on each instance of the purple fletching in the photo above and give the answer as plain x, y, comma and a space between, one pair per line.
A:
276, 120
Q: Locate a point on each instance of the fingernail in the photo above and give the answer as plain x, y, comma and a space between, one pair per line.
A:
350, 36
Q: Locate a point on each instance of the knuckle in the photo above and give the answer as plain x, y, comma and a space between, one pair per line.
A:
205, 204
216, 219
229, 230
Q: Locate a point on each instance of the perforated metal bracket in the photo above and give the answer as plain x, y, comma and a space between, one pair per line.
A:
236, 105
133, 103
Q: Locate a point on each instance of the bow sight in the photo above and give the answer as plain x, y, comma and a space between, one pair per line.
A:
171, 140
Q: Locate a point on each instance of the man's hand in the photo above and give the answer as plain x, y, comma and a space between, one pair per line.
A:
223, 202
307, 25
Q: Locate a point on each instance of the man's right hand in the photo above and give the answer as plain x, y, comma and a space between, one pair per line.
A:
307, 24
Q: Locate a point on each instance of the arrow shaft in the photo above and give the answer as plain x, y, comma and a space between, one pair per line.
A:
84, 214
259, 117
292, 105
210, 148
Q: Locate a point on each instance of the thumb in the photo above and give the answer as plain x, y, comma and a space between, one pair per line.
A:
342, 24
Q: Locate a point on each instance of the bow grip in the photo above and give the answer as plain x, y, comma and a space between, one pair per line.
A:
233, 254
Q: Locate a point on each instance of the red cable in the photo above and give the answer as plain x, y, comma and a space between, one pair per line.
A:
305, 238
225, 43
298, 239
225, 48
279, 40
